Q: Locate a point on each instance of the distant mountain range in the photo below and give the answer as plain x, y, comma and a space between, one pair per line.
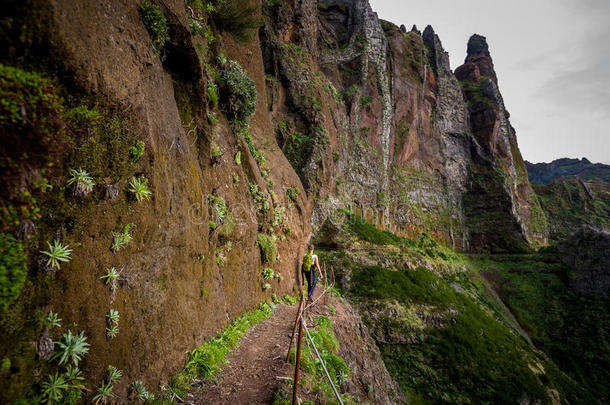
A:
545, 173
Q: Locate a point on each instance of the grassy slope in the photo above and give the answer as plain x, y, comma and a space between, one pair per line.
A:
471, 354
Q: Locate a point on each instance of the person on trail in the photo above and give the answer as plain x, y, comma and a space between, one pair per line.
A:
310, 264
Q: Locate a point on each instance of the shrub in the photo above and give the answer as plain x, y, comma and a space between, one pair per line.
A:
239, 90
136, 151
71, 348
366, 100
267, 247
156, 24
138, 186
13, 270
240, 18
57, 253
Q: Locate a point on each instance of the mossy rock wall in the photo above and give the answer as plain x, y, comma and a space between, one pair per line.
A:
182, 281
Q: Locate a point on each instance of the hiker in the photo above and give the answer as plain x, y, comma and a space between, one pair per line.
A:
310, 263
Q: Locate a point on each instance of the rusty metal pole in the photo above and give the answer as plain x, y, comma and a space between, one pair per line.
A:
297, 363
325, 282
294, 329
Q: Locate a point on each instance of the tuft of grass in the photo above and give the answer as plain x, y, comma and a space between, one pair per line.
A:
13, 270
156, 24
121, 239
138, 186
57, 253
267, 247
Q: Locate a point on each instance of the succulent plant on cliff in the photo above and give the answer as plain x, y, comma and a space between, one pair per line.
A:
140, 391
52, 320
54, 388
104, 393
72, 348
138, 186
81, 182
111, 277
113, 320
156, 24
120, 239
57, 253
114, 374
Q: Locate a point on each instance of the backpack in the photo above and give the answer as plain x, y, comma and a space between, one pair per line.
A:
307, 261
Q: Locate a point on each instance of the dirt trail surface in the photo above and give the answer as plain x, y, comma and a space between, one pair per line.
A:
256, 368
250, 375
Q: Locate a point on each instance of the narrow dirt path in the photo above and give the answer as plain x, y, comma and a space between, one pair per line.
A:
250, 377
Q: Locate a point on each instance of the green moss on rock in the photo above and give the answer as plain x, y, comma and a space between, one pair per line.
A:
13, 270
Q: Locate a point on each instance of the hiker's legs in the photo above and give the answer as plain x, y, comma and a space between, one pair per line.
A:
311, 285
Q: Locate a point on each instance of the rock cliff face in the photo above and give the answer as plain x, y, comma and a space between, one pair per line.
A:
350, 112
395, 136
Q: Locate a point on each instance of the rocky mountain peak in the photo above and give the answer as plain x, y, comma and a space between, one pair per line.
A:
478, 63
477, 46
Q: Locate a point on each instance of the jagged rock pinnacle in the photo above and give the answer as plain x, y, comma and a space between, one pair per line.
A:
403, 29
478, 61
477, 46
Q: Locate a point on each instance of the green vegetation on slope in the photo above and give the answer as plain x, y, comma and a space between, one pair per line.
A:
473, 359
574, 330
445, 336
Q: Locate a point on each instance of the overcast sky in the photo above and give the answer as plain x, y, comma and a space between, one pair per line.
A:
552, 58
